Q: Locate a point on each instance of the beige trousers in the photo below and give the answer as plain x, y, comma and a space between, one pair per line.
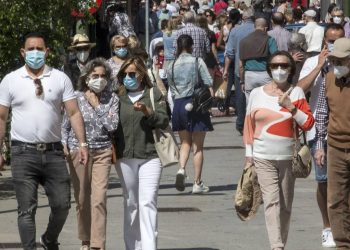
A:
277, 185
90, 191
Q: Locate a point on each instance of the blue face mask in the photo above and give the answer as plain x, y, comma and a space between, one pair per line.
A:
130, 83
35, 59
330, 46
121, 52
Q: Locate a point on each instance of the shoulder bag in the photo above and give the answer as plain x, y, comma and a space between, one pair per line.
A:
165, 142
301, 163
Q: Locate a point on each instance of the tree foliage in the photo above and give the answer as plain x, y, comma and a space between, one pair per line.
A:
51, 17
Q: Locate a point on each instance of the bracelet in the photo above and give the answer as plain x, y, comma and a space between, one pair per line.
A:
294, 110
83, 145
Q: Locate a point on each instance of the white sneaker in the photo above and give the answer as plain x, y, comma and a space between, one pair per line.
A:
180, 179
84, 247
327, 238
199, 188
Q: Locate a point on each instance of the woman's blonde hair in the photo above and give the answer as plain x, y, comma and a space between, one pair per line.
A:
172, 25
141, 71
118, 38
133, 42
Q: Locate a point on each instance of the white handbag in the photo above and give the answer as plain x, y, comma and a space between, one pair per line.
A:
165, 142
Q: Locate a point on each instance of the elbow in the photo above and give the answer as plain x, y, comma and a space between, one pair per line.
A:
308, 124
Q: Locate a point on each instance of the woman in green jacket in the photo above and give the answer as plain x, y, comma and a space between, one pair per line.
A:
138, 165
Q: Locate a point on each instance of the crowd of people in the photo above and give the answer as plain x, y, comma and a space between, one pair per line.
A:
94, 113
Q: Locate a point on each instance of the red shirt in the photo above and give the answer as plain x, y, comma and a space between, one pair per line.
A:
218, 6
303, 3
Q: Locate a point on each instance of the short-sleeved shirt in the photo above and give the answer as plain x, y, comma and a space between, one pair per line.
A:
36, 119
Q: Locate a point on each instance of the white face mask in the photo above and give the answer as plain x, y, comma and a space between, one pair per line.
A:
280, 75
340, 71
97, 85
337, 20
83, 55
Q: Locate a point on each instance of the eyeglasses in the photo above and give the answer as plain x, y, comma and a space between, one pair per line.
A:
96, 76
39, 87
130, 74
282, 65
208, 15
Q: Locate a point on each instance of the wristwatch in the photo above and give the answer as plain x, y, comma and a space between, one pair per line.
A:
83, 145
294, 110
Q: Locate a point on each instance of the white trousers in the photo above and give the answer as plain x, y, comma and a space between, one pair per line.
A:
140, 182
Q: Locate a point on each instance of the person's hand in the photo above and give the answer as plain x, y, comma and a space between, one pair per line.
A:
141, 106
249, 160
225, 75
2, 162
298, 56
285, 102
92, 98
83, 155
323, 56
65, 150
242, 87
320, 156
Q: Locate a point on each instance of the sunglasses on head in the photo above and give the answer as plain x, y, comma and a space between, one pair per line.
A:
39, 87
282, 65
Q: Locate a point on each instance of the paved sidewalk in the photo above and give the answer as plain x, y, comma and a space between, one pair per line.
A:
186, 221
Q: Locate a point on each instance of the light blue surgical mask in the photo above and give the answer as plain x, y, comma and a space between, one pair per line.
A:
330, 46
121, 52
35, 59
130, 83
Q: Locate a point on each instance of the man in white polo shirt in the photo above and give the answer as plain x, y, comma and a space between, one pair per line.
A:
36, 94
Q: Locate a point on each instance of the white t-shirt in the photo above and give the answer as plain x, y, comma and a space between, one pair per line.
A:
36, 119
309, 65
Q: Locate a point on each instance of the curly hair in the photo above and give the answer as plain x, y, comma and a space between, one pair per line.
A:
87, 70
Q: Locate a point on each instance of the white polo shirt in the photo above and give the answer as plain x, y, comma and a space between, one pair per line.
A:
36, 119
309, 65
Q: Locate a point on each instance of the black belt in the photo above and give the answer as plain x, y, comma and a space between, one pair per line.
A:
39, 146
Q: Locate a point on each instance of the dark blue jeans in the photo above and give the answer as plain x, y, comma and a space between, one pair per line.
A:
240, 104
30, 168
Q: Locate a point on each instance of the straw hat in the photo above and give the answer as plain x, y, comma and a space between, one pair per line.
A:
248, 195
81, 40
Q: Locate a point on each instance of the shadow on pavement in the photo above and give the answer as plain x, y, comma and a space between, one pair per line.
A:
222, 147
194, 248
14, 245
6, 188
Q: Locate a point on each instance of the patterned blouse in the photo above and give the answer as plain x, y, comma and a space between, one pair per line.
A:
115, 70
99, 122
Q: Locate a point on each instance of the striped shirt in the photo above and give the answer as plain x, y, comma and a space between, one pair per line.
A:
201, 44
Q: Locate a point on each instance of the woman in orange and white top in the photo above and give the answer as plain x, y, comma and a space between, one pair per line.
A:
268, 136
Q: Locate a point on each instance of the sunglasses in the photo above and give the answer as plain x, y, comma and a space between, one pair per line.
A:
39, 87
282, 65
130, 74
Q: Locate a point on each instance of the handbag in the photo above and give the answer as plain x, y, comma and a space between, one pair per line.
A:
201, 98
165, 142
248, 194
301, 163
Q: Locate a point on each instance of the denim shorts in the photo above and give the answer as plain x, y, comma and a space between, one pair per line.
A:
320, 172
